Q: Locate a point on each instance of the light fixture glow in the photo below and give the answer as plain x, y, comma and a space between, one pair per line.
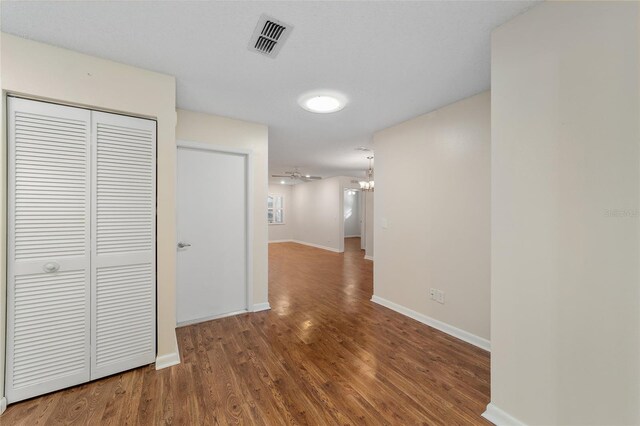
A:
282, 182
307, 176
322, 102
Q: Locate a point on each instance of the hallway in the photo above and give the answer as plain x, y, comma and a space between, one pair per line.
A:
324, 354
371, 364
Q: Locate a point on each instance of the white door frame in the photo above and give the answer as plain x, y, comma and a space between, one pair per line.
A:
248, 155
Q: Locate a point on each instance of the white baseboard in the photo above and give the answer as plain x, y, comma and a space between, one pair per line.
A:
432, 322
172, 358
210, 318
317, 246
257, 307
280, 241
167, 360
368, 257
499, 417
3, 404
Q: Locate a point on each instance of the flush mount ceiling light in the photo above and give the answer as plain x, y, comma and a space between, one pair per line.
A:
322, 102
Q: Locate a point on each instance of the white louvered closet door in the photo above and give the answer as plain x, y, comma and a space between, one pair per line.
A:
123, 238
48, 282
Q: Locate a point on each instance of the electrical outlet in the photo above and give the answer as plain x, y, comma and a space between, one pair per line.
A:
432, 293
440, 296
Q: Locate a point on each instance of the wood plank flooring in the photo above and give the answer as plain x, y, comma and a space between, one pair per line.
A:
323, 355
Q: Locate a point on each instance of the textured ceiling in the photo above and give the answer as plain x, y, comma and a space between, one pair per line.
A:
393, 60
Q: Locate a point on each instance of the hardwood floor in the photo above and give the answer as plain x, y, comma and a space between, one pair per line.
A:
324, 354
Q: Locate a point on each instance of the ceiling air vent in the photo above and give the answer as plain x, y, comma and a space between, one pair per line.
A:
269, 36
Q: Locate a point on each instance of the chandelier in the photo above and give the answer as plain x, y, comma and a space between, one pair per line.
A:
368, 184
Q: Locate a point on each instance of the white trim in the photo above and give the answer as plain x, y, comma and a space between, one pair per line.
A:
261, 307
210, 318
3, 404
335, 250
499, 417
352, 236
172, 358
168, 360
432, 322
280, 241
203, 146
367, 257
249, 221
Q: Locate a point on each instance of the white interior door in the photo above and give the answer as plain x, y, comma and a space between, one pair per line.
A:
81, 246
212, 234
123, 265
48, 280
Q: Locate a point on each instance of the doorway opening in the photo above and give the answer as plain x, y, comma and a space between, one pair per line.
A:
354, 220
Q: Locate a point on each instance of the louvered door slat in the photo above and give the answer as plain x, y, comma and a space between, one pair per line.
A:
123, 232
48, 333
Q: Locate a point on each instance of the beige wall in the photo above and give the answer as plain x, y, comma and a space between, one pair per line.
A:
45, 72
228, 133
565, 321
283, 232
433, 192
317, 210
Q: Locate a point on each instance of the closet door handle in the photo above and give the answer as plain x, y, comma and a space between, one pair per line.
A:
183, 245
51, 267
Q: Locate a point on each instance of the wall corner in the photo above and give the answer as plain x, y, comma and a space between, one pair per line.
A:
500, 417
171, 358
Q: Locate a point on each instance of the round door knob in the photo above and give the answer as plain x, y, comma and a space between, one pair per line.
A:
51, 267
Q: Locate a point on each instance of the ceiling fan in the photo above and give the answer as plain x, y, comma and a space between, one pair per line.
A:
296, 175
